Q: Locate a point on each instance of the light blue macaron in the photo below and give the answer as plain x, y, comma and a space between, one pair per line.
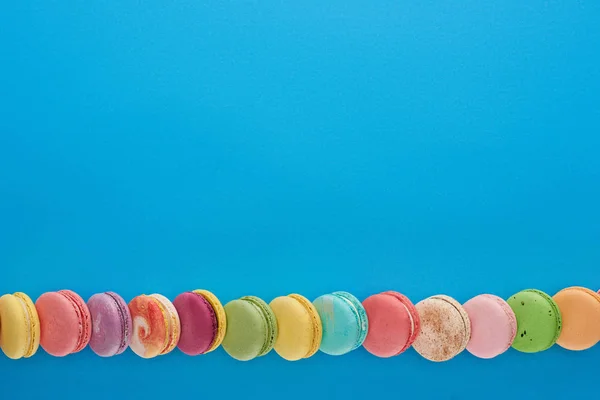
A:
345, 323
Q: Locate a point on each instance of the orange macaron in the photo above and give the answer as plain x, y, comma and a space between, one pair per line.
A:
580, 310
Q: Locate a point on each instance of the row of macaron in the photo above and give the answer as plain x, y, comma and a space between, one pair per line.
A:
385, 324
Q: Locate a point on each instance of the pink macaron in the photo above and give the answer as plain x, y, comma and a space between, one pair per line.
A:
198, 323
65, 322
493, 325
394, 324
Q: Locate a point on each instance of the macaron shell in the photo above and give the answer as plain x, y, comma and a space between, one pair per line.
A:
19, 326
127, 323
493, 326
341, 327
272, 330
198, 323
392, 327
295, 324
445, 328
580, 313
59, 324
33, 324
220, 315
539, 322
111, 324
316, 323
174, 324
85, 319
414, 316
360, 313
464, 315
246, 330
150, 327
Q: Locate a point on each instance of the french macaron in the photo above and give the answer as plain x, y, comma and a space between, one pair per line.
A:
111, 324
203, 322
251, 328
156, 325
445, 328
394, 324
539, 320
299, 325
344, 320
580, 312
65, 322
493, 325
19, 326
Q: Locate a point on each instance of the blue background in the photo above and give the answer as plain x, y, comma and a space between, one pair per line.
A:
274, 147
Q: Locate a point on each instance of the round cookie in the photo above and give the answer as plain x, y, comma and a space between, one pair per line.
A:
251, 328
580, 312
300, 329
156, 325
198, 323
111, 322
394, 324
493, 325
539, 321
445, 328
65, 322
344, 321
19, 326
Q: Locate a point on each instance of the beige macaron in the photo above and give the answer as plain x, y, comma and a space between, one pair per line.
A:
445, 328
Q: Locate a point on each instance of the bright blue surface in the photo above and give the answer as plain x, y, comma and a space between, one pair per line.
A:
270, 147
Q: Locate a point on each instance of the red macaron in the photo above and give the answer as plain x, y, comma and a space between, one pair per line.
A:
65, 322
394, 324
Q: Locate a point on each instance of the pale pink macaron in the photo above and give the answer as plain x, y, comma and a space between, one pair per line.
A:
493, 325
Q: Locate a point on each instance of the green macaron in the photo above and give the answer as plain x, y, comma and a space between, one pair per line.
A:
251, 328
539, 322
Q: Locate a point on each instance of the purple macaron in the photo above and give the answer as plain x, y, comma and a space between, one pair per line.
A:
111, 324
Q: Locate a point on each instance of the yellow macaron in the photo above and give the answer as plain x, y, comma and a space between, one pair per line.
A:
19, 326
300, 329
